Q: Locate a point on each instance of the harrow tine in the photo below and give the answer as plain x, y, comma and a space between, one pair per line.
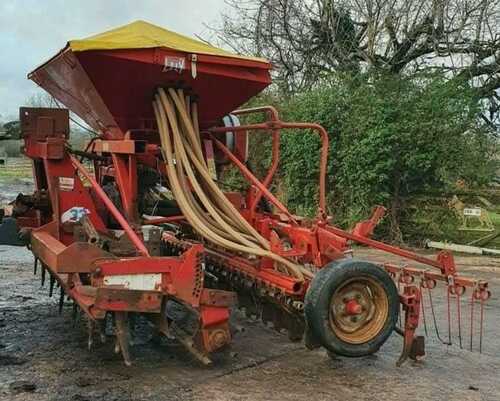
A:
122, 336
43, 275
75, 314
90, 332
61, 300
424, 320
187, 341
481, 324
459, 320
102, 330
471, 319
296, 329
431, 303
400, 306
449, 316
267, 313
51, 286
251, 308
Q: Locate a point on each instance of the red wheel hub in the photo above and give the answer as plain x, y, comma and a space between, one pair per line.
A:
352, 307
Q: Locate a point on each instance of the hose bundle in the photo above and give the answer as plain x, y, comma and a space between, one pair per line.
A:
201, 201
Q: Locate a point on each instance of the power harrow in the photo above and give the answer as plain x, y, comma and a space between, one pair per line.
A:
136, 223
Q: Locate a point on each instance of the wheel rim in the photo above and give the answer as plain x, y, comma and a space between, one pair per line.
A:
358, 310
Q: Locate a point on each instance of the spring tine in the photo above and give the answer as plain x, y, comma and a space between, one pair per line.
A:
431, 304
102, 330
122, 336
267, 313
35, 266
449, 314
43, 275
74, 313
471, 319
61, 300
459, 320
278, 320
295, 328
481, 327
90, 332
51, 286
400, 305
423, 311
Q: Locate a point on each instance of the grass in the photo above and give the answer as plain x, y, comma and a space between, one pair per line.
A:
15, 169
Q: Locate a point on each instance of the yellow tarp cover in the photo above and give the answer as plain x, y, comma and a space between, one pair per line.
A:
141, 34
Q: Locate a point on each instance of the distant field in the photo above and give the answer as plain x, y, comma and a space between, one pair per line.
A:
15, 168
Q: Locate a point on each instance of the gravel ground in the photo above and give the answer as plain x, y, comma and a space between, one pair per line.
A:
43, 356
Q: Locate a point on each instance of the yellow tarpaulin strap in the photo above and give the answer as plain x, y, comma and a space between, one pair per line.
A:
141, 34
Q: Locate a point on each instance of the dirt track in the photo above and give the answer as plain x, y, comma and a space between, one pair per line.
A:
43, 356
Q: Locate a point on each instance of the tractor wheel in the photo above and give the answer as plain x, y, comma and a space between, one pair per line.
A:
352, 307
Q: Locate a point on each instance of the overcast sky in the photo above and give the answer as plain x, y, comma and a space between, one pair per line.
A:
31, 31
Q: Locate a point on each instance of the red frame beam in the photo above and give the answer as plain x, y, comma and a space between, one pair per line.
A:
111, 207
274, 116
278, 125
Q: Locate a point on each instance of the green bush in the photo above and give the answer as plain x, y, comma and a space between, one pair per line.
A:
390, 139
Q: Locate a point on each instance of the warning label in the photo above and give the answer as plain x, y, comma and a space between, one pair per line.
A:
66, 183
173, 63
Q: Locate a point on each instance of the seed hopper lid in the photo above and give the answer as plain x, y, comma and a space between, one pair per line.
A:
109, 79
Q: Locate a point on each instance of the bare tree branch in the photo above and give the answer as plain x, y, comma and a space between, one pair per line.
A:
306, 40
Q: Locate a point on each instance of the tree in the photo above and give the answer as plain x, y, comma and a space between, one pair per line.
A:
307, 40
392, 139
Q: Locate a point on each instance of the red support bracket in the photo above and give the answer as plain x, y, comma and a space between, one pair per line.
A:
365, 228
413, 347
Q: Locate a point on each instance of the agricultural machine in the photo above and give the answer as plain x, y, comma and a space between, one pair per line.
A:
137, 223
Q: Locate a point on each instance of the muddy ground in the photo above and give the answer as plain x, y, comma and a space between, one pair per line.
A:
44, 356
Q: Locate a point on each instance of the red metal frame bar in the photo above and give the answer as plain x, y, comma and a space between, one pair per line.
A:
458, 281
278, 125
249, 176
112, 208
273, 114
125, 167
445, 269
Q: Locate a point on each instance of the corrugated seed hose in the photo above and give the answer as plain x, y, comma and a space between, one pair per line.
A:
201, 201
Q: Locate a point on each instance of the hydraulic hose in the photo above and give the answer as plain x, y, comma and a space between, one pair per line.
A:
213, 189
203, 203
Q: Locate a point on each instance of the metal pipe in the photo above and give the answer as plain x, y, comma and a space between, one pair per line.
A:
323, 164
249, 176
385, 247
274, 116
282, 125
111, 207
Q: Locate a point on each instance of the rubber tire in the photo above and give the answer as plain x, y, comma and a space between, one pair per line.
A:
317, 305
